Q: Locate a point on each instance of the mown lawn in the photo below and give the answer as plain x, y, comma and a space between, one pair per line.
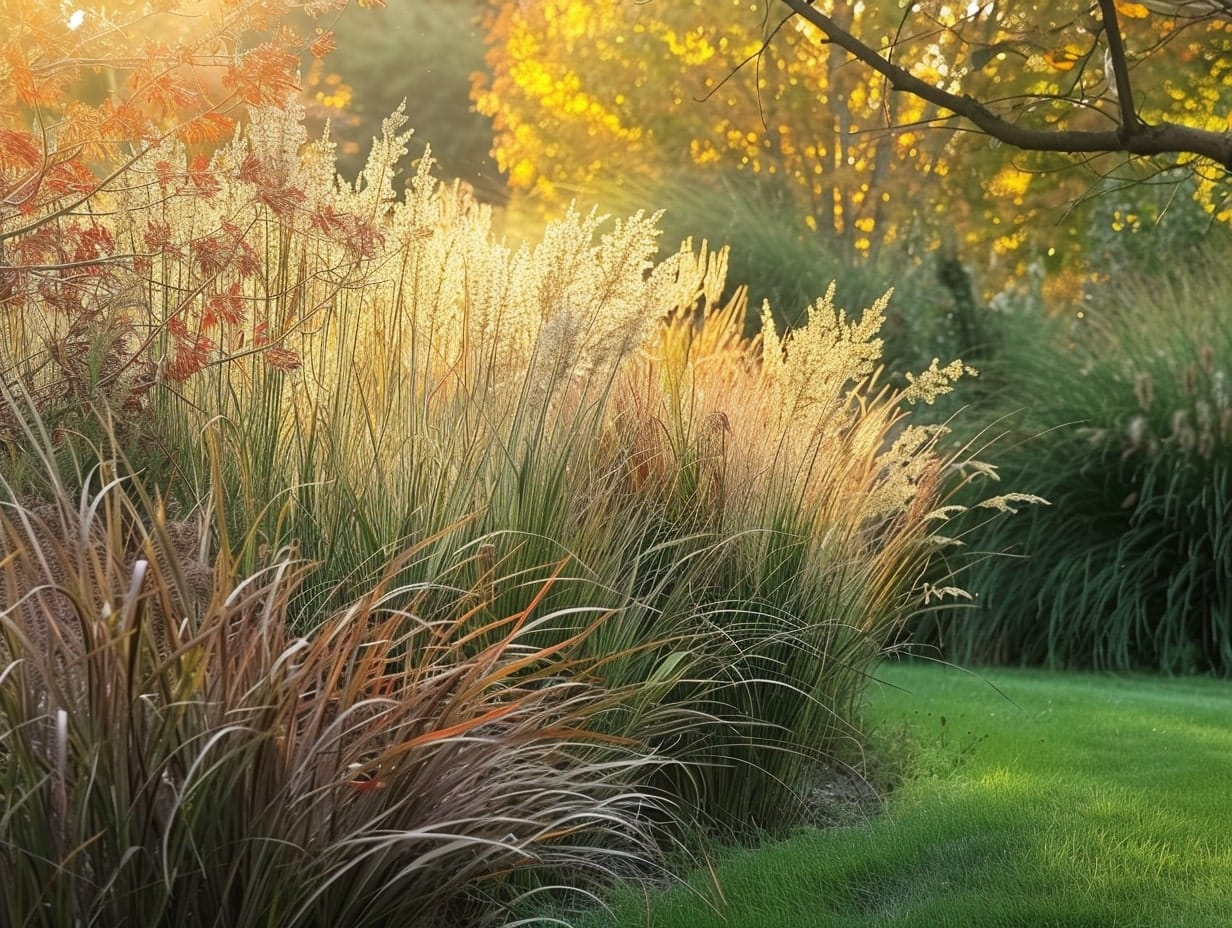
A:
1029, 798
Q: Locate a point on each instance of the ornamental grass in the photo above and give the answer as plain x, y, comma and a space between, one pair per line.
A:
1128, 433
525, 551
174, 752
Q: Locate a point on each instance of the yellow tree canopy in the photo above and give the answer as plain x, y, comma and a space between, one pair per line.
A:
578, 91
582, 92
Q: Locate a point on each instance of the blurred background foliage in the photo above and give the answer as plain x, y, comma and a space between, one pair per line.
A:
1121, 416
585, 95
424, 52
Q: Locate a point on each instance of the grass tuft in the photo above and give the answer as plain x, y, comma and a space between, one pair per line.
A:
1129, 436
175, 753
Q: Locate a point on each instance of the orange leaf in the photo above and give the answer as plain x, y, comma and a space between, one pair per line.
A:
123, 122
208, 127
265, 75
282, 200
1063, 59
70, 177
19, 149
282, 359
82, 131
172, 96
202, 179
33, 92
226, 307
1132, 10
323, 44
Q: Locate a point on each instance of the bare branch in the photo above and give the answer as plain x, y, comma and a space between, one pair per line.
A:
752, 56
1119, 77
1134, 137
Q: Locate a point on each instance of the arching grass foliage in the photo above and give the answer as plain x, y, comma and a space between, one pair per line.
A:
510, 562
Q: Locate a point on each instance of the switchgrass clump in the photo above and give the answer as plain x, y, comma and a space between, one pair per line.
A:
1128, 433
817, 503
173, 752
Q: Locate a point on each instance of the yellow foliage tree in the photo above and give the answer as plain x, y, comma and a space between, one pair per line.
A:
855, 106
582, 93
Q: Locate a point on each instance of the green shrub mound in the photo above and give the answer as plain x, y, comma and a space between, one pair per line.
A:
1121, 417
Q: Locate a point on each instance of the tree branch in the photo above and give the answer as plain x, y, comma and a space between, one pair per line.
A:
1119, 78
1135, 137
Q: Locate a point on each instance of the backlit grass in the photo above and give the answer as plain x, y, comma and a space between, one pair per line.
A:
1029, 799
443, 497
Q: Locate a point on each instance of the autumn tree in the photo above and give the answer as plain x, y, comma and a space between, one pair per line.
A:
580, 93
1130, 91
781, 90
1078, 82
86, 89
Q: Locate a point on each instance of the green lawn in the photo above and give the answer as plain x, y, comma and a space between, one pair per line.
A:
1031, 799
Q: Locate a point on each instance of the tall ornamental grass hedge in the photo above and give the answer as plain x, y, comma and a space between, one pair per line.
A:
520, 561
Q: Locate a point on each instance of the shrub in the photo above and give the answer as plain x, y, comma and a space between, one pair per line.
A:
1127, 433
95, 102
